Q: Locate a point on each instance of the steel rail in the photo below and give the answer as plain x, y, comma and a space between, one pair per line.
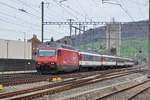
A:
139, 92
70, 85
116, 92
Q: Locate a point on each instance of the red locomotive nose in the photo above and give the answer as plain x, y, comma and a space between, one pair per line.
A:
46, 60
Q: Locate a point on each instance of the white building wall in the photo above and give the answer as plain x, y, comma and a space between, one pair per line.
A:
3, 48
13, 49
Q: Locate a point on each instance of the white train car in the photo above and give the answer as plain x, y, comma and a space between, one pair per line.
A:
123, 61
91, 60
108, 60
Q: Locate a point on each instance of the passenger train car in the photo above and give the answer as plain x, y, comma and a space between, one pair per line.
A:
89, 60
64, 58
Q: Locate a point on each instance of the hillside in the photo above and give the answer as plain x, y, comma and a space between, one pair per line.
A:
129, 47
130, 30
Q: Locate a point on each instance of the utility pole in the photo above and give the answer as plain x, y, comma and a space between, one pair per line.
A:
75, 32
149, 44
79, 29
70, 25
24, 45
84, 28
42, 23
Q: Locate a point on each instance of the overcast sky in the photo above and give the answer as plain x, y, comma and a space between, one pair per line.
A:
19, 18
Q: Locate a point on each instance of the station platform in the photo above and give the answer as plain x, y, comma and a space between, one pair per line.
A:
17, 72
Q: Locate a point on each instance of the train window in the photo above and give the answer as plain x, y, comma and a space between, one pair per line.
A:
95, 58
106, 59
59, 52
120, 60
86, 57
49, 52
91, 58
109, 59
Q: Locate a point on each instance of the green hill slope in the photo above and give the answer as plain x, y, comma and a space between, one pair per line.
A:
129, 47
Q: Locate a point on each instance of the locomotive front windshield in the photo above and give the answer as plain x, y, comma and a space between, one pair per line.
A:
48, 53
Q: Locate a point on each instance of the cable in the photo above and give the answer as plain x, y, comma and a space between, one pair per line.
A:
135, 2
3, 29
83, 10
8, 5
139, 3
19, 18
94, 2
28, 5
78, 13
24, 3
21, 10
130, 16
20, 25
65, 9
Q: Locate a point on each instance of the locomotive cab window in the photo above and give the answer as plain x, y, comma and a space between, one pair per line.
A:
49, 53
59, 52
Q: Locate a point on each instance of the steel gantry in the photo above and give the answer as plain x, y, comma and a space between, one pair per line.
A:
81, 23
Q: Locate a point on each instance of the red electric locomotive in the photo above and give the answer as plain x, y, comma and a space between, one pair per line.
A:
51, 59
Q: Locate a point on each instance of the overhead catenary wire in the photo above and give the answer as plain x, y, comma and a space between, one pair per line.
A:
16, 24
126, 11
18, 9
20, 25
29, 6
135, 3
15, 17
83, 10
65, 9
50, 14
24, 3
73, 10
139, 3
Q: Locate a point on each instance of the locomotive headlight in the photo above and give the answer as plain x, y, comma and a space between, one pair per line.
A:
52, 63
39, 63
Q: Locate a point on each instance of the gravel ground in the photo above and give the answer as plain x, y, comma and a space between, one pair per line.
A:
23, 86
77, 93
26, 86
143, 96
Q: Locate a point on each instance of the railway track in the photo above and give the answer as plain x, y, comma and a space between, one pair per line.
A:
144, 89
10, 80
62, 86
128, 93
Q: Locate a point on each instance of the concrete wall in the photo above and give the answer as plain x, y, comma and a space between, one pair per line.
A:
16, 65
113, 38
13, 49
